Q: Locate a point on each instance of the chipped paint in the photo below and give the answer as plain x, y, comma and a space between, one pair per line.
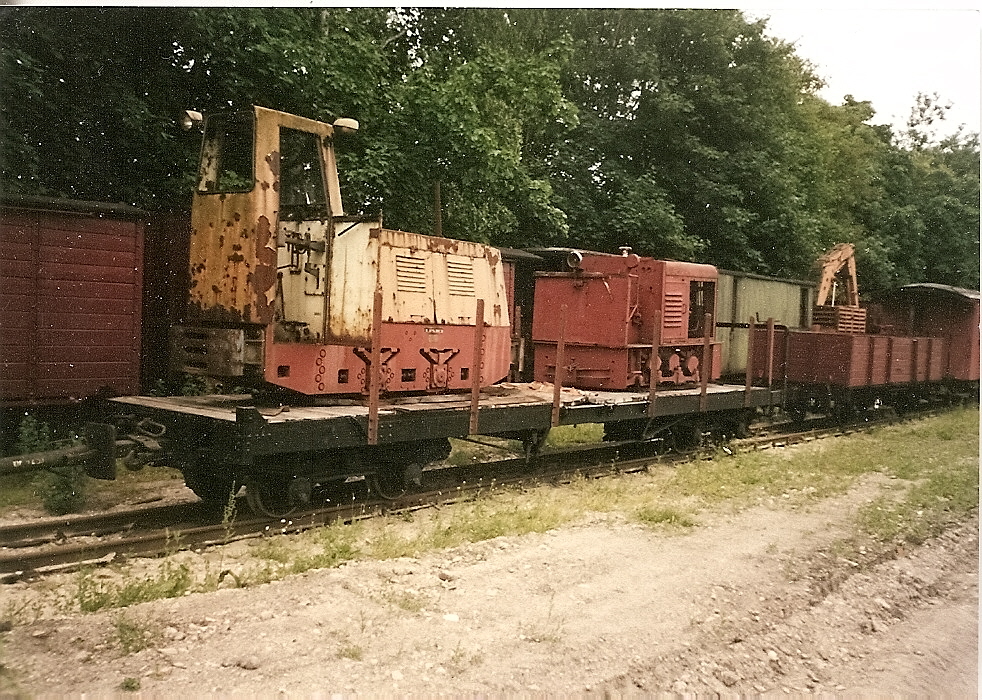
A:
278, 259
234, 251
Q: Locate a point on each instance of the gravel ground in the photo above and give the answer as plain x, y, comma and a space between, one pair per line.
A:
755, 602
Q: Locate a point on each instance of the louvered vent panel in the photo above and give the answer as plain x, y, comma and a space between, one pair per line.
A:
674, 308
410, 274
460, 276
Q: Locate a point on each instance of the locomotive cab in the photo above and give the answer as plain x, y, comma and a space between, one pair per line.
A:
285, 289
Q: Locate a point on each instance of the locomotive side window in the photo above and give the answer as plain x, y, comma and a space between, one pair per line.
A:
226, 154
702, 301
302, 193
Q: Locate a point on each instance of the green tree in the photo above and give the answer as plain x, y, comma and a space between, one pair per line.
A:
687, 138
918, 211
685, 134
88, 101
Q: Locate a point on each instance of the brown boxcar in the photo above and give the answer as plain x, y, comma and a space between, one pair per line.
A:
940, 311
849, 360
71, 300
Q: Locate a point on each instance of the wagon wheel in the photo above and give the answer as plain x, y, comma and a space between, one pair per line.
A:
686, 435
393, 481
213, 486
532, 443
271, 497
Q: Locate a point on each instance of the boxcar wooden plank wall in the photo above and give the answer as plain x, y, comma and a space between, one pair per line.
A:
70, 302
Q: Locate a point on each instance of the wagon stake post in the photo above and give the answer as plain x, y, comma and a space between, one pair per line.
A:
706, 370
557, 389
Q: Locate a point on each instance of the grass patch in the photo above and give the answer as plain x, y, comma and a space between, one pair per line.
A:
27, 490
569, 435
945, 449
941, 457
473, 521
17, 491
92, 594
934, 462
482, 449
664, 515
409, 601
134, 635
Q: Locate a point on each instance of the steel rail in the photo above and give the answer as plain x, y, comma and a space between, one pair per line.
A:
453, 484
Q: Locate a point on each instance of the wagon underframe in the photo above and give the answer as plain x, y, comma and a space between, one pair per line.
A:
234, 431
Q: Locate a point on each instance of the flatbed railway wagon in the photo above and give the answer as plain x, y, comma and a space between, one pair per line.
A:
366, 348
281, 452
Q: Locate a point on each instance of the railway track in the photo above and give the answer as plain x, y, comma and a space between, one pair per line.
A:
37, 548
56, 545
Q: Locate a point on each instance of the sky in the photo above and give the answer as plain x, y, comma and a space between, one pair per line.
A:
887, 56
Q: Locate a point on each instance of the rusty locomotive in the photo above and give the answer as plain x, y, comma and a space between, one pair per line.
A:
364, 349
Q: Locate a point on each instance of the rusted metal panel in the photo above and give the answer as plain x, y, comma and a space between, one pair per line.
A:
336, 369
352, 278
600, 310
234, 236
302, 283
72, 301
427, 279
424, 280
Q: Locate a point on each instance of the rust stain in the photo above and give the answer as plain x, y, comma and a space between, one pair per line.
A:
273, 160
263, 278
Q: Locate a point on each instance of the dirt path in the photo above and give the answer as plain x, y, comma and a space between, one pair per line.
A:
754, 602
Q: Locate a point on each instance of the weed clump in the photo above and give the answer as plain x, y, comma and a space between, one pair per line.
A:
93, 595
61, 488
133, 635
130, 684
664, 515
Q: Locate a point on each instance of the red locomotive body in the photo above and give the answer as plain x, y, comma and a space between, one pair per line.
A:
610, 311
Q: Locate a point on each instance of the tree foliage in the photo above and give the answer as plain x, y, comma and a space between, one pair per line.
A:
686, 134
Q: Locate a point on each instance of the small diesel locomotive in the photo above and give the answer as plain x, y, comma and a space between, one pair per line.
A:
286, 290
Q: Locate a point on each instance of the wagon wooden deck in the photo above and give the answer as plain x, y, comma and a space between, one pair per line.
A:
502, 409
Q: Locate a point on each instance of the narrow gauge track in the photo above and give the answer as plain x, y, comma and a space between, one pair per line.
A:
32, 550
57, 545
